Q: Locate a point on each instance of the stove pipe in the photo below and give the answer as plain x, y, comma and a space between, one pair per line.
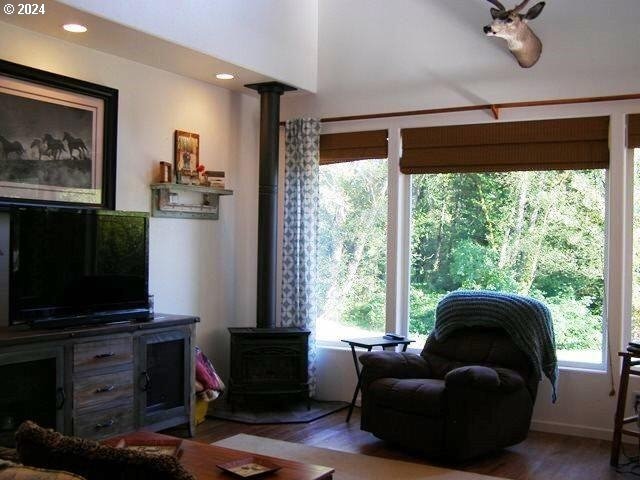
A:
268, 199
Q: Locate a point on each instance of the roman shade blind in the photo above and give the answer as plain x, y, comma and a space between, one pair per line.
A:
633, 130
346, 147
573, 143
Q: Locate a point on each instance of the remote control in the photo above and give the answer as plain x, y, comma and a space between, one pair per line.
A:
393, 336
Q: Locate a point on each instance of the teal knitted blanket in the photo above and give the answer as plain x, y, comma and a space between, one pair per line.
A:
525, 319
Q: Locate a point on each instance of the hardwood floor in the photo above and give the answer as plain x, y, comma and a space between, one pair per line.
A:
543, 456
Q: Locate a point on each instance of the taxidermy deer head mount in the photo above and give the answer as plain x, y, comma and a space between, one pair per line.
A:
512, 26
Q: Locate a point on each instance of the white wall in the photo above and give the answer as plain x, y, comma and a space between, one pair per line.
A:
199, 267
277, 38
584, 406
384, 56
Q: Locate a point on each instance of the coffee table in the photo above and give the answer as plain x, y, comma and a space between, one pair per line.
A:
200, 459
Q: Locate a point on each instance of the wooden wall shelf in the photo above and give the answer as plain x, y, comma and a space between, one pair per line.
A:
167, 202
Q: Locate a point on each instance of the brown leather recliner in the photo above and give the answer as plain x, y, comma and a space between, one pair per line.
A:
460, 398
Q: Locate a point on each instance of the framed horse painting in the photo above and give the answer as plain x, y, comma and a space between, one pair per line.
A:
57, 139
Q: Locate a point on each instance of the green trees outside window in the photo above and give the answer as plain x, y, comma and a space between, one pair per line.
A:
534, 233
539, 233
352, 249
635, 316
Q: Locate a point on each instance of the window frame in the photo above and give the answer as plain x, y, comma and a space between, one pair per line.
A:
339, 343
619, 226
627, 326
563, 363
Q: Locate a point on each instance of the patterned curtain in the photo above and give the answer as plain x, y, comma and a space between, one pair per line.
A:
301, 191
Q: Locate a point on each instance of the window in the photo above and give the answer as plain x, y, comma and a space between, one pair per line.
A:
352, 249
635, 315
537, 233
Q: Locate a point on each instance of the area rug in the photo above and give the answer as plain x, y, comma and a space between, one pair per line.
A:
348, 466
296, 413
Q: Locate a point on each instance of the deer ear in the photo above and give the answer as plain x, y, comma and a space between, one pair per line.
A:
495, 13
534, 11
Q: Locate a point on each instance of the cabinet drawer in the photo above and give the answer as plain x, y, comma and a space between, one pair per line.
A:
101, 389
104, 423
103, 353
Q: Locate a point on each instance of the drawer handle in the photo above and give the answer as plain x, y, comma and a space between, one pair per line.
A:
105, 355
60, 398
105, 389
110, 423
147, 381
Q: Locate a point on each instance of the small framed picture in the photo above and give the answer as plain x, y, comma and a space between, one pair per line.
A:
187, 151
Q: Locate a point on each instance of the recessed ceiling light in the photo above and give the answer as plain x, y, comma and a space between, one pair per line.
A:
74, 28
225, 76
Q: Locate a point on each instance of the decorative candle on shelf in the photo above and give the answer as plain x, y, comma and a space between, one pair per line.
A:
165, 172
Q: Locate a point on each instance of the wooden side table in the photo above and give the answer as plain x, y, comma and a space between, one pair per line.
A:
620, 421
368, 343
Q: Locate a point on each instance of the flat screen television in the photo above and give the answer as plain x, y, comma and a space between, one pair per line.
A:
72, 267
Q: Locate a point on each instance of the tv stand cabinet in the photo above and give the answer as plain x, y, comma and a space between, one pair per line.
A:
99, 381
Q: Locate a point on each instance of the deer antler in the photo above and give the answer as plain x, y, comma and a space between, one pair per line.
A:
497, 4
517, 8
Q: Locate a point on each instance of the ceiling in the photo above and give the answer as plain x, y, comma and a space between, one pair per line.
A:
383, 56
135, 45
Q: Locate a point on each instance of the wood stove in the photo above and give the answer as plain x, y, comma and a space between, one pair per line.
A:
269, 363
